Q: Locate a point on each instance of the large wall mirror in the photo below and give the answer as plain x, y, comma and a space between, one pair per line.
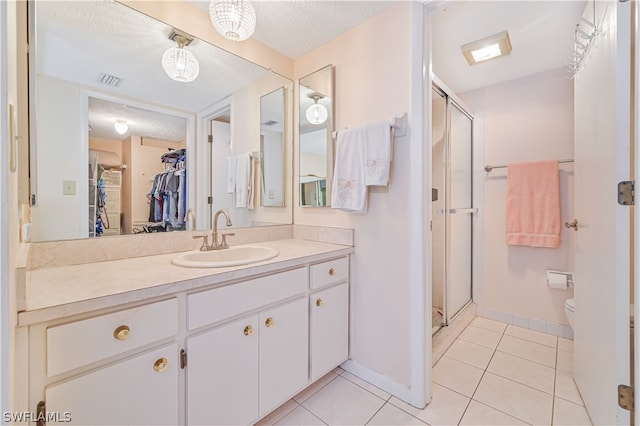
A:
316, 147
110, 129
273, 147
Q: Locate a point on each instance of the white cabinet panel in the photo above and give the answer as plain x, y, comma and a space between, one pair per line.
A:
333, 271
284, 353
82, 342
129, 392
222, 374
329, 329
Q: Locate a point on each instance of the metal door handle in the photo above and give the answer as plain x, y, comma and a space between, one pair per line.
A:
573, 224
471, 210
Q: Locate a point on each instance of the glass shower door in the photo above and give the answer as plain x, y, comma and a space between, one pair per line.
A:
460, 210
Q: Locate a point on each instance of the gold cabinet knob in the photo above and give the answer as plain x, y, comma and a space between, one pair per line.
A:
319, 302
121, 333
269, 322
332, 272
161, 365
248, 330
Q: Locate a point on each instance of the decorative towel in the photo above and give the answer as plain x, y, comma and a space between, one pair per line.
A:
348, 189
243, 180
377, 153
231, 174
533, 204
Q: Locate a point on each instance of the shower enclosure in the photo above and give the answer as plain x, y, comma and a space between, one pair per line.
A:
452, 207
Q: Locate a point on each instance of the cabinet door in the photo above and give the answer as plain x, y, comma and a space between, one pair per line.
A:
284, 353
139, 390
222, 374
329, 331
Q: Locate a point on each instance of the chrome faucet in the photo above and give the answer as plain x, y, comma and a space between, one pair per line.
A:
215, 245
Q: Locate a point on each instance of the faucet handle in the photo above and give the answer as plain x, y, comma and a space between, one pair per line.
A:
224, 243
205, 242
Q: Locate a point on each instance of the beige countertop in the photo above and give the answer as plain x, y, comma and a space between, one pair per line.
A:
62, 291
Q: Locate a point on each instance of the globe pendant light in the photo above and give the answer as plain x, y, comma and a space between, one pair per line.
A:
317, 113
121, 126
180, 64
233, 19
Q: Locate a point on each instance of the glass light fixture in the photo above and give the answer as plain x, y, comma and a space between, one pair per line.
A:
180, 64
486, 48
121, 126
316, 113
233, 19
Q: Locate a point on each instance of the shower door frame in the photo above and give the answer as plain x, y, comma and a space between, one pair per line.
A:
452, 101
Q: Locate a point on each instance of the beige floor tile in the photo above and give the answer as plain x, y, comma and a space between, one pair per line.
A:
314, 387
278, 413
488, 324
565, 344
480, 414
523, 371
300, 416
338, 370
342, 402
517, 400
528, 350
565, 361
391, 415
470, 353
568, 413
446, 407
457, 376
532, 336
366, 385
480, 336
566, 387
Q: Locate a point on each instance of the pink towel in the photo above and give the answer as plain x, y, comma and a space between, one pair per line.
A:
533, 204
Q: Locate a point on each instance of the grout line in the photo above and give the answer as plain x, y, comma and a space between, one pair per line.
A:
375, 414
363, 388
307, 410
317, 390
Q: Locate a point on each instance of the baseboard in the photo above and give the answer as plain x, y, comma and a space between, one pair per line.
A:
396, 389
547, 327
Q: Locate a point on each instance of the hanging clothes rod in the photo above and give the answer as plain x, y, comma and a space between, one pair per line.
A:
398, 124
489, 168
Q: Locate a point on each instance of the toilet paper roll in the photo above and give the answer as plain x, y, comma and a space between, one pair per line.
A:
557, 281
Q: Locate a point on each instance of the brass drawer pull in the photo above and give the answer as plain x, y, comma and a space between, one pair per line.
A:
121, 333
161, 365
319, 302
248, 330
332, 272
269, 322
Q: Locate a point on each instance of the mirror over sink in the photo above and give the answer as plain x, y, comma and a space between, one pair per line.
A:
117, 146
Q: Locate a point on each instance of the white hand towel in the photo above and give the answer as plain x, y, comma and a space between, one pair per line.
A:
377, 153
348, 189
242, 180
231, 174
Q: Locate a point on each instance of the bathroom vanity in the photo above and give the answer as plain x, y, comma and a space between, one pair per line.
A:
149, 342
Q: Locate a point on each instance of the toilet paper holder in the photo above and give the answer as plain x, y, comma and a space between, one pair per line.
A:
559, 280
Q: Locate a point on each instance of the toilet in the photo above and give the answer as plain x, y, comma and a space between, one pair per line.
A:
570, 309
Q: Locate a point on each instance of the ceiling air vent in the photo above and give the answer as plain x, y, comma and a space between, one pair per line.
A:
109, 80
270, 123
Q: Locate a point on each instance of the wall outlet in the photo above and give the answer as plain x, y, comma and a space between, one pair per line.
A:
68, 187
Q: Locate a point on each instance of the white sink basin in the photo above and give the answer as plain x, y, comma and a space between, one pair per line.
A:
233, 256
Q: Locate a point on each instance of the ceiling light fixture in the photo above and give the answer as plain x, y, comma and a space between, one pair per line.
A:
486, 48
317, 113
180, 64
121, 126
233, 19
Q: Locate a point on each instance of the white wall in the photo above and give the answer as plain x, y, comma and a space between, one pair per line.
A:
527, 119
372, 84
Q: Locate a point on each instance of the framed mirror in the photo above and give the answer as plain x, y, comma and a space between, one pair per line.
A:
122, 51
272, 148
315, 130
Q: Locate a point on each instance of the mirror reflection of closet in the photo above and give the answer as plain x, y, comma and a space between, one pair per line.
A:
127, 164
316, 128
272, 148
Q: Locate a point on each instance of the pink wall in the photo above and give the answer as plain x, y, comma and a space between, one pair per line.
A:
528, 119
372, 73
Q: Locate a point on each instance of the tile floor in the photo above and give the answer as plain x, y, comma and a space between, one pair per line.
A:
493, 374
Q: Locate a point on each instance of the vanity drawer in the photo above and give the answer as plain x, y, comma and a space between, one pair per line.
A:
330, 272
215, 305
83, 342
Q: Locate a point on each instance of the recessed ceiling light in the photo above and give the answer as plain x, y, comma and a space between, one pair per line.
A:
487, 48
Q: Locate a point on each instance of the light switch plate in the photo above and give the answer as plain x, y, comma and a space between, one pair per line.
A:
68, 187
